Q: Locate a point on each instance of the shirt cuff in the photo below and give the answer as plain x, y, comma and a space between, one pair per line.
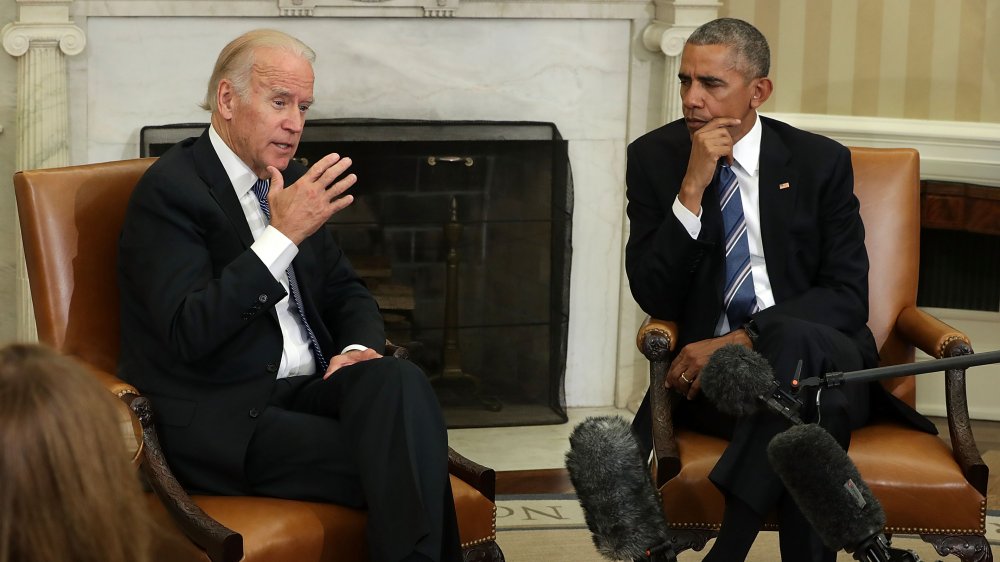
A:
353, 347
275, 250
690, 221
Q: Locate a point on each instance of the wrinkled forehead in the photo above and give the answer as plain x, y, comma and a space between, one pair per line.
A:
275, 66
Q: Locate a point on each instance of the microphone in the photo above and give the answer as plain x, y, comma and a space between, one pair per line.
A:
739, 381
614, 485
828, 489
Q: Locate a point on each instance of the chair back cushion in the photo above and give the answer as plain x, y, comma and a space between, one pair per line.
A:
887, 183
70, 222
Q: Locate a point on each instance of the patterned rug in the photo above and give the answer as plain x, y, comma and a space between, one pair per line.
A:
551, 528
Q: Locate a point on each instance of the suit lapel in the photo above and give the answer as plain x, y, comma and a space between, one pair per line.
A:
214, 175
778, 188
211, 171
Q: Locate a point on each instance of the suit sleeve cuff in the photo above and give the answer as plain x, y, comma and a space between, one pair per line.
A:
690, 221
275, 250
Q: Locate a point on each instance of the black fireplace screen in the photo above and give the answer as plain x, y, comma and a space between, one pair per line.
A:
462, 230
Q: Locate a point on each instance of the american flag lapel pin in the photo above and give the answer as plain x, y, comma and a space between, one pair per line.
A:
784, 185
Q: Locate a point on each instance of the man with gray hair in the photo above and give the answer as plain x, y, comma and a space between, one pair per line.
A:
746, 231
250, 332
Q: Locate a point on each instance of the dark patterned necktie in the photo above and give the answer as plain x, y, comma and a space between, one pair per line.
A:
739, 300
260, 190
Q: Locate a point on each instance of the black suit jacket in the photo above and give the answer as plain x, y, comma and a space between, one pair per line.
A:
813, 238
811, 228
199, 333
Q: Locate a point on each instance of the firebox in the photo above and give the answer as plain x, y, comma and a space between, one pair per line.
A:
462, 230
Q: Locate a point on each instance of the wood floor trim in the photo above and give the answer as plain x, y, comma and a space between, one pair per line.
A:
537, 481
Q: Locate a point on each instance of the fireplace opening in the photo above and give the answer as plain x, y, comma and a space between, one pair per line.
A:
462, 230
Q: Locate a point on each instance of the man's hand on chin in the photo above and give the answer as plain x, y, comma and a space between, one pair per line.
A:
349, 358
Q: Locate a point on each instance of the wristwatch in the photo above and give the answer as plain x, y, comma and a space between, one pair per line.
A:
752, 332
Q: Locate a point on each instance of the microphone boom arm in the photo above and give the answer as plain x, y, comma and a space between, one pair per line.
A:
836, 378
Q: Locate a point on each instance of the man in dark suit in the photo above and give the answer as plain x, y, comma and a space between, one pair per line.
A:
257, 343
746, 231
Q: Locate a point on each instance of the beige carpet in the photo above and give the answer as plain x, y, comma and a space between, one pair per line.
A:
552, 529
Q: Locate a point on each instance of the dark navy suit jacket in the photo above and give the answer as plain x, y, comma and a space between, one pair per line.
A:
199, 333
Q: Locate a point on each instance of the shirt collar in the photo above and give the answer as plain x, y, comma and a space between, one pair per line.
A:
240, 175
746, 151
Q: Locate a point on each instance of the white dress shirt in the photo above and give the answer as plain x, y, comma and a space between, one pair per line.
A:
746, 166
276, 251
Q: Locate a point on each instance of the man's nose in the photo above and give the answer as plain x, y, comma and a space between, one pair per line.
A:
692, 97
295, 122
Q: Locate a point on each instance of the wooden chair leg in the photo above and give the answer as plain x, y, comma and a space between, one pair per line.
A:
968, 548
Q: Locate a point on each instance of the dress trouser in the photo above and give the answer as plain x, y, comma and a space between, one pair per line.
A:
743, 470
372, 436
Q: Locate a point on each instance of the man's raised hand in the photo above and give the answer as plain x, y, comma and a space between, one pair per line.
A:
300, 209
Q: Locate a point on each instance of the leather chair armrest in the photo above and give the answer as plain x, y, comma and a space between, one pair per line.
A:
927, 333
483, 479
220, 543
656, 340
111, 382
940, 340
656, 337
131, 428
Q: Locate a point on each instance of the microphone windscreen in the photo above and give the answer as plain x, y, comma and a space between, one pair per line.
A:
826, 486
615, 488
735, 377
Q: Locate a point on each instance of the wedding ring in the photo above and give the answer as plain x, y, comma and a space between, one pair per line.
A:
685, 379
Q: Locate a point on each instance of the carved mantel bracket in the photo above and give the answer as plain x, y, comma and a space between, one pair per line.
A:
18, 37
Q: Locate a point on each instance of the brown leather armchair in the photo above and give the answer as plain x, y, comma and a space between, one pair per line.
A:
70, 221
925, 487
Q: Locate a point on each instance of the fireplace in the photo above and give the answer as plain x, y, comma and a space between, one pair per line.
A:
462, 231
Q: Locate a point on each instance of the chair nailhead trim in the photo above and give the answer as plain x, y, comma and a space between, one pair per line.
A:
947, 341
981, 531
491, 537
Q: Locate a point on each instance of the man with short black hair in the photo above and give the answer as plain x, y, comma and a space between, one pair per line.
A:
746, 231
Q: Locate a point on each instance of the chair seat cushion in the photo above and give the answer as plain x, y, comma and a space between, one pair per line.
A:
906, 469
277, 530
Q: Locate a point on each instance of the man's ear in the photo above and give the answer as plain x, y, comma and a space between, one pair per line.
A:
225, 98
762, 89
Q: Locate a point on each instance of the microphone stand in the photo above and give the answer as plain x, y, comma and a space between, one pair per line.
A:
876, 548
787, 404
837, 378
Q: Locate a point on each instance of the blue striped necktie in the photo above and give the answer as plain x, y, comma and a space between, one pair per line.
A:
739, 300
260, 190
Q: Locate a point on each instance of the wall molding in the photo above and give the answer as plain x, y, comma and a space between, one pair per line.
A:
536, 9
955, 151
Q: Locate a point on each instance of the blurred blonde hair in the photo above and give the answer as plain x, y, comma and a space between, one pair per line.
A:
68, 491
235, 62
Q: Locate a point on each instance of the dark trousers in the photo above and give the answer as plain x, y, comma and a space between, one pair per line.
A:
371, 436
744, 472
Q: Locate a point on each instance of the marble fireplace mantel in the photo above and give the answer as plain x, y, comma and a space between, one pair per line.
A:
592, 67
549, 9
